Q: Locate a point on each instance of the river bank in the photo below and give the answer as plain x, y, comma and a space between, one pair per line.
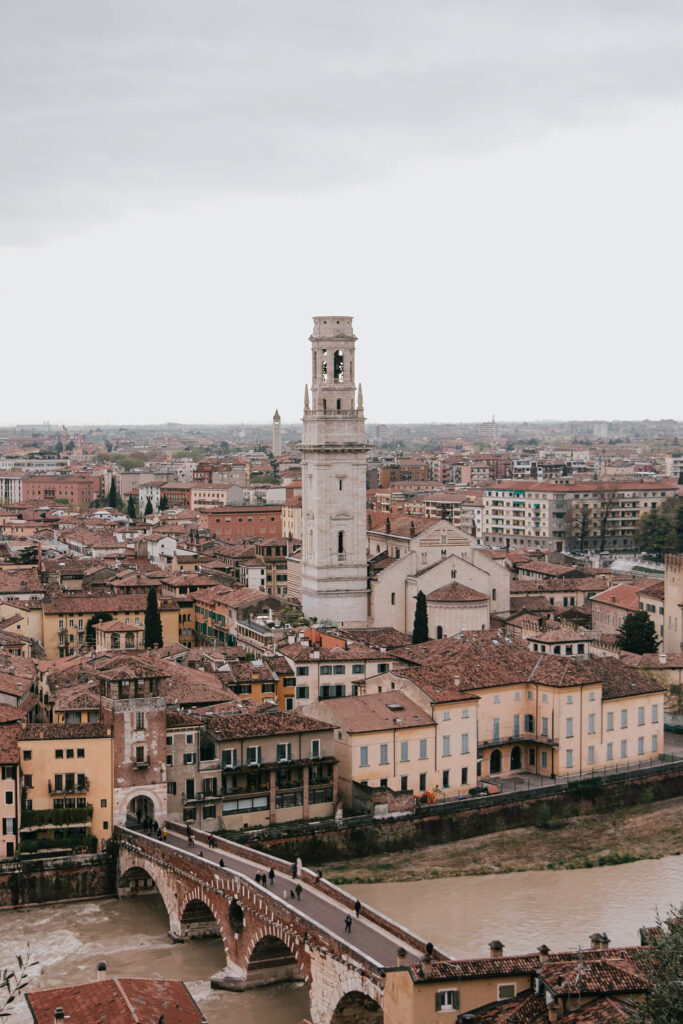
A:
641, 833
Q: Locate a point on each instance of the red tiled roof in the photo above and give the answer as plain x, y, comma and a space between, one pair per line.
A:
9, 750
119, 1001
456, 593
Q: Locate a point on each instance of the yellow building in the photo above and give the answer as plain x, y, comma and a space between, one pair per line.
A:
65, 619
382, 740
66, 776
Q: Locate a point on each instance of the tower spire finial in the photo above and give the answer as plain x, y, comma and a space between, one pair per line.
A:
360, 398
307, 404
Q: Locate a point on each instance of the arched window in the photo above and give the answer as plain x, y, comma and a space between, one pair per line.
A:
115, 640
439, 633
339, 366
324, 365
130, 639
340, 542
393, 598
338, 404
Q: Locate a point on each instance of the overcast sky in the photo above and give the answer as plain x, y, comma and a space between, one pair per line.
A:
492, 188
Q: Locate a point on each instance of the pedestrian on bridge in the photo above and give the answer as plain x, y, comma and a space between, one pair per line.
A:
298, 891
293, 870
356, 907
347, 923
271, 876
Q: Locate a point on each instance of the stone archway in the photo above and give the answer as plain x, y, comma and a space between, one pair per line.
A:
357, 1008
515, 759
495, 763
272, 961
197, 921
130, 881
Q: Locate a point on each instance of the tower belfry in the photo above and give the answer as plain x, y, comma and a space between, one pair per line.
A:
334, 583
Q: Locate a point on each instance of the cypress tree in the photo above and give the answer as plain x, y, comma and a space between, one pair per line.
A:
420, 625
113, 499
163, 504
149, 511
132, 510
153, 632
679, 528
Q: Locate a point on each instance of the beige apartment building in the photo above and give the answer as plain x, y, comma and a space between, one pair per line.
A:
591, 515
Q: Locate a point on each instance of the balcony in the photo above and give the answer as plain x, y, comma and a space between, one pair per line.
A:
141, 764
522, 737
68, 789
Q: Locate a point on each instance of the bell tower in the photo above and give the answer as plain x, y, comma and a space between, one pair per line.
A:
334, 584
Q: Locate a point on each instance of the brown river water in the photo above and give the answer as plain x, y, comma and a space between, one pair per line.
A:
459, 915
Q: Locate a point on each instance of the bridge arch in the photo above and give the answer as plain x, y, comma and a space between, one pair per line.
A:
356, 1007
200, 918
133, 869
272, 958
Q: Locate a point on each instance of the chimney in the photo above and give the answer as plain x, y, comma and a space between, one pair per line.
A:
400, 956
604, 941
426, 966
59, 1013
543, 953
101, 971
662, 658
496, 948
596, 940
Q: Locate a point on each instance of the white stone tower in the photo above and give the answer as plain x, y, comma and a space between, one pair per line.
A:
277, 438
334, 585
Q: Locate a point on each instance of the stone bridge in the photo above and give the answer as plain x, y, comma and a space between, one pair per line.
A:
268, 934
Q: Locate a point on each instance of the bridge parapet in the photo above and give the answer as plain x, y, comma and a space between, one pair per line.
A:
340, 896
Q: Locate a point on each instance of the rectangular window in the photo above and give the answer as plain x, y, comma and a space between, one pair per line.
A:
423, 781
507, 990
569, 728
302, 693
654, 743
570, 698
188, 758
69, 752
404, 751
528, 723
641, 715
655, 714
364, 757
284, 752
357, 670
445, 779
515, 726
188, 737
423, 750
465, 713
325, 670
544, 759
229, 758
591, 723
139, 720
544, 727
465, 743
610, 752
610, 721
448, 999
253, 755
315, 748
496, 728
170, 788
140, 755
302, 670
445, 746
340, 670
641, 744
59, 754
404, 783
570, 759
624, 719
28, 780
80, 752
591, 755
463, 776
26, 755
384, 753
624, 748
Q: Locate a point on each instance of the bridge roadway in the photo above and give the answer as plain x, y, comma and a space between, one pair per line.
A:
366, 936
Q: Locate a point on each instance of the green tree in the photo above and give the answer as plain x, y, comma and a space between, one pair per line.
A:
163, 504
637, 634
661, 961
421, 624
132, 510
91, 623
113, 499
153, 631
149, 511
